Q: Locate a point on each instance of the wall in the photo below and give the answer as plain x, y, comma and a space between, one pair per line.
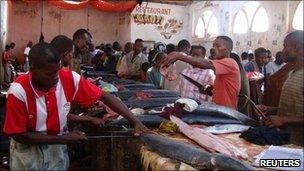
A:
173, 22
280, 14
4, 7
25, 23
124, 28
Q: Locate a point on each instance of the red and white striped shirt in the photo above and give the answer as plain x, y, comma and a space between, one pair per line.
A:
202, 76
30, 110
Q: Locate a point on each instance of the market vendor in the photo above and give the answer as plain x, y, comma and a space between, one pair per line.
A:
289, 114
227, 80
38, 106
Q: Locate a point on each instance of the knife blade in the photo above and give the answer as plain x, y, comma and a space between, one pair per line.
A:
200, 87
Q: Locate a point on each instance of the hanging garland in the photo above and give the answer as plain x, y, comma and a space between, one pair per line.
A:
97, 4
117, 7
62, 4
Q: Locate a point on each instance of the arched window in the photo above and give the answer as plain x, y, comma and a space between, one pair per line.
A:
207, 25
240, 23
297, 22
260, 21
251, 15
200, 28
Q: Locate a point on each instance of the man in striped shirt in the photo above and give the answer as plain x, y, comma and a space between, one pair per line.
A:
38, 106
227, 82
289, 114
202, 76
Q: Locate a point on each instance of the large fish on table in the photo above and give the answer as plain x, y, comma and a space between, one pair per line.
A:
100, 74
143, 86
153, 120
125, 95
150, 103
206, 108
191, 155
124, 82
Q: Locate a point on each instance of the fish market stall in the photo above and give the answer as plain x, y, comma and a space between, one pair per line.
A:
162, 159
201, 136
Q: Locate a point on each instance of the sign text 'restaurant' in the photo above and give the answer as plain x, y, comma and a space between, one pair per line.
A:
151, 10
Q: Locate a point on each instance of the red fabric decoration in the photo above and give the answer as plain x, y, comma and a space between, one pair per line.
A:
69, 5
117, 7
97, 4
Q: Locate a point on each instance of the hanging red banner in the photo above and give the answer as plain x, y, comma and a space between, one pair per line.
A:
111, 7
69, 5
98, 4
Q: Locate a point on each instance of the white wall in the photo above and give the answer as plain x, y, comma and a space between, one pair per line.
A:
124, 28
149, 32
25, 24
280, 14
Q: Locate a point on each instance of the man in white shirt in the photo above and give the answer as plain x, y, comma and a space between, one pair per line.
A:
273, 67
29, 45
183, 46
134, 61
244, 57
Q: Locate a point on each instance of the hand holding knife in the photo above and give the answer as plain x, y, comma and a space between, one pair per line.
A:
203, 89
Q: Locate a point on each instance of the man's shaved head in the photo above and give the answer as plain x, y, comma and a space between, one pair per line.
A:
293, 46
296, 37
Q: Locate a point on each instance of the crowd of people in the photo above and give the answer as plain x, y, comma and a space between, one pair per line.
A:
224, 78
11, 65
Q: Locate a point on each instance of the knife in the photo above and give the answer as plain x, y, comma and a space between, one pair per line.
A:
202, 89
254, 106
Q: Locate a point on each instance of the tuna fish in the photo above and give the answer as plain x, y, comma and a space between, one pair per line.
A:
150, 103
191, 155
226, 128
153, 120
139, 86
99, 74
125, 95
218, 110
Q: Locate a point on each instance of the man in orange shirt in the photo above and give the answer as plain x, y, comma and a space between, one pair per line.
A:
227, 81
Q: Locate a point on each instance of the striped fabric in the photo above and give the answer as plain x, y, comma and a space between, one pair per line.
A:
291, 100
291, 103
202, 76
31, 110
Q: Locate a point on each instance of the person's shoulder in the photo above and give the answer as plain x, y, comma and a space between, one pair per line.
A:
19, 86
269, 64
22, 79
63, 73
188, 69
250, 63
209, 71
143, 56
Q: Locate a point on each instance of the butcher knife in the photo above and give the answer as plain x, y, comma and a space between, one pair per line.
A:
202, 89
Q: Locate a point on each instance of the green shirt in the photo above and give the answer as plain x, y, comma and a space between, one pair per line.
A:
291, 103
154, 76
